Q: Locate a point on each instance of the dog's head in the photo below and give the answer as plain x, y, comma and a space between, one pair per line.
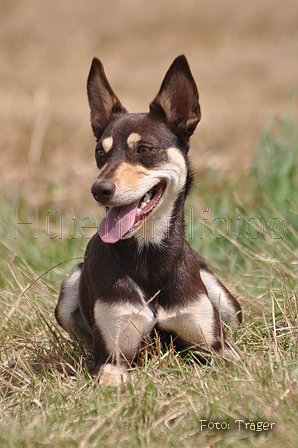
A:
142, 158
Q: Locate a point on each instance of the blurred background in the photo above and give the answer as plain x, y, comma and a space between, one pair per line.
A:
243, 55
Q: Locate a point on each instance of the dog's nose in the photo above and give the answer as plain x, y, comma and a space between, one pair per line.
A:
103, 191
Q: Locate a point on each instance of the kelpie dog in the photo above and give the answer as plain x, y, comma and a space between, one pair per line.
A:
139, 273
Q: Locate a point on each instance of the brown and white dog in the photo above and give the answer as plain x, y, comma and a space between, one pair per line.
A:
139, 273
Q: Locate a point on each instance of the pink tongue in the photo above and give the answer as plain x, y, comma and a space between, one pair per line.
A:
117, 222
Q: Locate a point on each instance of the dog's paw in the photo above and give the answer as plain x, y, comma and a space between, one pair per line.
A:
113, 375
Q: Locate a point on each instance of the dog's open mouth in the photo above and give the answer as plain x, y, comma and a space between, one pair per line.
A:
121, 220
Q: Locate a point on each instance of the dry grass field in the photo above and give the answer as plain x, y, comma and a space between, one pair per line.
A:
244, 57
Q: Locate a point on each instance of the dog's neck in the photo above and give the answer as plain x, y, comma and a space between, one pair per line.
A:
154, 258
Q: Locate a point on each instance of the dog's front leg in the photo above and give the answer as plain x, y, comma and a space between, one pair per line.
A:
120, 328
195, 325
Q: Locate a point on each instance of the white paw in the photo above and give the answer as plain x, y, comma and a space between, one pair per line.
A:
113, 375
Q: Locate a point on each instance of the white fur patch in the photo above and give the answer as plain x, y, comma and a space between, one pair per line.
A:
70, 298
133, 138
107, 144
194, 323
218, 297
123, 326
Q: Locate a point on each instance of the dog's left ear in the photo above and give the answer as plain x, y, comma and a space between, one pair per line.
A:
178, 99
102, 99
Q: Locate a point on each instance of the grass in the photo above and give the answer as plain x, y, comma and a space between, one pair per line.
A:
249, 237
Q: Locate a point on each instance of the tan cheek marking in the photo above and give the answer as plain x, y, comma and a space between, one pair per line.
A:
133, 138
129, 177
107, 144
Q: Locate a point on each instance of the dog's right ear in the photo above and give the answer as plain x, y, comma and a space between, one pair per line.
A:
102, 100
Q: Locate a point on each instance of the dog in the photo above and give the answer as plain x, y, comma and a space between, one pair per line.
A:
139, 273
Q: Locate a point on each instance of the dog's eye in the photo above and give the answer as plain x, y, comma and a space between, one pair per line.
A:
100, 152
144, 150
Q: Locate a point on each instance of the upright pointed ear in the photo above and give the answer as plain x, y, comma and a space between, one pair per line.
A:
178, 99
102, 100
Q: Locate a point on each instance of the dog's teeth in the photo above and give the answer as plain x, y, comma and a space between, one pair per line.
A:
147, 197
143, 204
138, 210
